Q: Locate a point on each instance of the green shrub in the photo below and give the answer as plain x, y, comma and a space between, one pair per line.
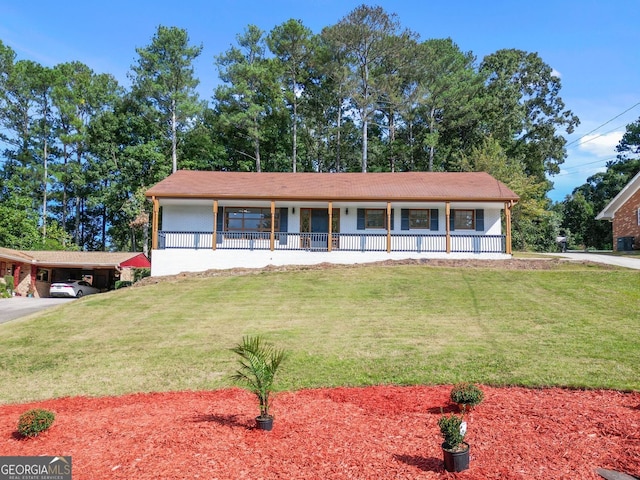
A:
34, 421
466, 394
6, 290
140, 273
123, 284
450, 428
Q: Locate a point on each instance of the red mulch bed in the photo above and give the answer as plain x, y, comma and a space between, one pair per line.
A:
382, 432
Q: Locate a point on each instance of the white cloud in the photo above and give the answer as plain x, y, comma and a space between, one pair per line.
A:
601, 145
556, 73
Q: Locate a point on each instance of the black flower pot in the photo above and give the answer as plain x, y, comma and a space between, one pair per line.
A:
264, 423
456, 461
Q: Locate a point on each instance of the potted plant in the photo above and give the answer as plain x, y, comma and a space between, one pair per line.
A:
259, 362
455, 450
466, 395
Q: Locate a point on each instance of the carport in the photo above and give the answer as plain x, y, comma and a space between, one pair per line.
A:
34, 271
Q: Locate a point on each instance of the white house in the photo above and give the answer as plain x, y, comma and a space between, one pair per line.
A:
217, 220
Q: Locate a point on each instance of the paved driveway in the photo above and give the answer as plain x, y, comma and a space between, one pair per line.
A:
628, 262
16, 307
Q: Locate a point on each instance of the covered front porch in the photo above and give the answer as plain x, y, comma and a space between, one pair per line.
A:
325, 242
260, 234
373, 228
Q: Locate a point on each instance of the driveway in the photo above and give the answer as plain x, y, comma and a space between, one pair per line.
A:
620, 261
16, 307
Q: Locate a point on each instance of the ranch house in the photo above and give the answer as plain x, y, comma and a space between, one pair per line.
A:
218, 220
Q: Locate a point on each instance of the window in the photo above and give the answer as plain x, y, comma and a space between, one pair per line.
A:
419, 219
42, 275
375, 218
464, 220
639, 216
249, 219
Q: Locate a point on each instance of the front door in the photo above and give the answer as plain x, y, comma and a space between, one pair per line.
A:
319, 228
314, 227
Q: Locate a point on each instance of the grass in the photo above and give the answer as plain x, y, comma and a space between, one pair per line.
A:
573, 325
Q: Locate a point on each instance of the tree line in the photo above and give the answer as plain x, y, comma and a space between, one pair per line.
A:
362, 95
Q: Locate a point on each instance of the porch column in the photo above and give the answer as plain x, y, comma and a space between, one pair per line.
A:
154, 227
447, 210
214, 238
34, 278
507, 214
273, 226
388, 227
329, 240
16, 275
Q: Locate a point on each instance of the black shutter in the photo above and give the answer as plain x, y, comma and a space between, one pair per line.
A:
219, 225
452, 220
434, 220
360, 219
392, 210
284, 225
479, 220
404, 219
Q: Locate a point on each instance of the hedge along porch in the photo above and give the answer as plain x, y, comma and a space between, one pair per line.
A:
217, 220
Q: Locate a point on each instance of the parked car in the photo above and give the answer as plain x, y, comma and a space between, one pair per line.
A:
72, 288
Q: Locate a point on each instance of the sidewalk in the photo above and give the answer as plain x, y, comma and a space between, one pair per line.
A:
627, 262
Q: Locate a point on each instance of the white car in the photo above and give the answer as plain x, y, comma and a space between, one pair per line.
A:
72, 288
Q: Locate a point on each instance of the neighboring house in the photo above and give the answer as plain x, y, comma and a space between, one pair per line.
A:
624, 212
37, 270
218, 220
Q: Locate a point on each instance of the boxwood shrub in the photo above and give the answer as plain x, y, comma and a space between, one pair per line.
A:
34, 421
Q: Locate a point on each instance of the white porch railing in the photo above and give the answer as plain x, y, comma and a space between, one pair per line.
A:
363, 242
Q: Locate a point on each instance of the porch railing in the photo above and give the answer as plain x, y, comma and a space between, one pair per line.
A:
363, 242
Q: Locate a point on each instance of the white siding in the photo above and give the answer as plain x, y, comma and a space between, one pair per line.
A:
184, 218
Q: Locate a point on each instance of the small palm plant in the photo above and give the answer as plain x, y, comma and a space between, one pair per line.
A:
259, 362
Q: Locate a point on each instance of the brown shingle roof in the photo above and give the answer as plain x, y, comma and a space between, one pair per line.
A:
405, 186
64, 258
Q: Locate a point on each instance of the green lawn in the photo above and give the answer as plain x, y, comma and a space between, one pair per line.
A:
573, 325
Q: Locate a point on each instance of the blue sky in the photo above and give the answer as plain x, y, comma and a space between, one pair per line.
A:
593, 45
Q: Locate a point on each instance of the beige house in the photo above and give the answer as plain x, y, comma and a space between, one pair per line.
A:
34, 271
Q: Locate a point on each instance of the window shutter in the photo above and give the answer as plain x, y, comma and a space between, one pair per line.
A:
284, 225
392, 210
404, 219
433, 217
479, 220
452, 220
360, 222
219, 225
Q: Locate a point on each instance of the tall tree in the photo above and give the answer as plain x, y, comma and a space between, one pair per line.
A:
525, 111
249, 96
532, 223
330, 94
78, 96
444, 100
291, 42
164, 78
365, 38
25, 120
128, 154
